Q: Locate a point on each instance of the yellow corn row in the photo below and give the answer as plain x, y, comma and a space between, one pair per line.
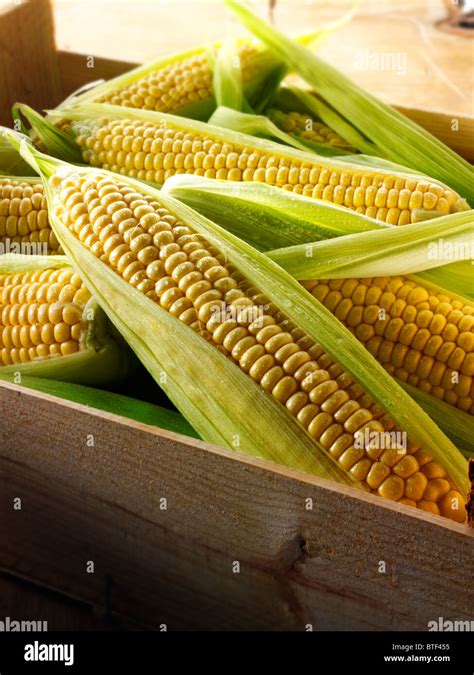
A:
171, 264
151, 152
303, 125
176, 85
419, 335
41, 315
24, 217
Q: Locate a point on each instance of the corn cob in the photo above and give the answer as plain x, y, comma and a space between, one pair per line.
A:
421, 336
182, 83
267, 217
175, 86
24, 216
50, 326
154, 146
41, 315
307, 127
150, 248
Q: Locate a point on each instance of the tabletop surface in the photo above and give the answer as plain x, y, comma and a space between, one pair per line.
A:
391, 47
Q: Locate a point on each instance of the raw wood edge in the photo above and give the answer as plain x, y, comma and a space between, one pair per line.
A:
256, 462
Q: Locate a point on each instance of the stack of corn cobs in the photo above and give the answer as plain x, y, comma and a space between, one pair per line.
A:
291, 263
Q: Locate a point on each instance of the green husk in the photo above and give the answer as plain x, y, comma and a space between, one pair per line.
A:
124, 406
397, 138
229, 89
227, 76
55, 140
267, 89
200, 385
270, 218
263, 127
267, 217
456, 424
253, 125
102, 359
11, 162
324, 149
319, 109
457, 276
398, 250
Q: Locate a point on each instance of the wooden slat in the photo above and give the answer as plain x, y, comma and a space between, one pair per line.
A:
102, 503
456, 131
76, 70
28, 64
23, 600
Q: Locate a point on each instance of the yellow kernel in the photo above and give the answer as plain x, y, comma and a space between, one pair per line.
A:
392, 488
452, 506
415, 486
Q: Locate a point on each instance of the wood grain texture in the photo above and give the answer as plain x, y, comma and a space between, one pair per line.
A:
23, 600
456, 131
174, 566
76, 70
28, 62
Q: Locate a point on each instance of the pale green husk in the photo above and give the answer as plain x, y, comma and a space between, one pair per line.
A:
266, 216
229, 88
263, 127
252, 125
305, 101
227, 76
398, 250
278, 118
11, 162
305, 230
101, 360
457, 276
212, 393
396, 137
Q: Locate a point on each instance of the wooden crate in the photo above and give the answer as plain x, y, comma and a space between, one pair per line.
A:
186, 535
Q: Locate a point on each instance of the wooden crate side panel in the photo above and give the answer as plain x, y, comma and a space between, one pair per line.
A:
321, 565
23, 600
28, 65
143, 572
456, 131
76, 70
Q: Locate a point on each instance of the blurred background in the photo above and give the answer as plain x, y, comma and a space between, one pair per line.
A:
433, 66
415, 54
